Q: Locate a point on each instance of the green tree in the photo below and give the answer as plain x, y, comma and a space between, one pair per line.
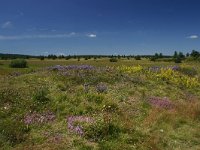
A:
195, 54
175, 54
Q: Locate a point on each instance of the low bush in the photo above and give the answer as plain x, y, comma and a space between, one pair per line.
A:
113, 60
137, 57
13, 131
188, 71
40, 97
178, 60
18, 63
101, 131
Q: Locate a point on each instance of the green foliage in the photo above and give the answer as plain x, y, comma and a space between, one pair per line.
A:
188, 71
102, 130
14, 131
18, 63
153, 59
113, 60
121, 117
42, 57
95, 98
130, 69
195, 54
40, 97
177, 60
137, 57
175, 77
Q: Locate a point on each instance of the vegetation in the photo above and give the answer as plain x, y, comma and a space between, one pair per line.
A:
18, 63
113, 60
97, 104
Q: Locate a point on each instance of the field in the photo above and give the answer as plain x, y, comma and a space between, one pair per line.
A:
98, 104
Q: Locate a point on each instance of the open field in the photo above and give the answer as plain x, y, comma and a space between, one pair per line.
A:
97, 104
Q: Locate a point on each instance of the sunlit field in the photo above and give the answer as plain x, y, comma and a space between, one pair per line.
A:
98, 104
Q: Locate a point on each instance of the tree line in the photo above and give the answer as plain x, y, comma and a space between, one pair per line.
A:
177, 56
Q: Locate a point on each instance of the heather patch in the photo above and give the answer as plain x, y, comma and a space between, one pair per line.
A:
73, 123
161, 102
39, 118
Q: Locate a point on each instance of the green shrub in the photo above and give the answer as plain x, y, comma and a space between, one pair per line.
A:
177, 60
188, 71
101, 130
41, 57
95, 98
40, 97
113, 60
152, 59
137, 57
18, 63
13, 131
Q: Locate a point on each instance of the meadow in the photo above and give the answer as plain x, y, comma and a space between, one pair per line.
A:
101, 105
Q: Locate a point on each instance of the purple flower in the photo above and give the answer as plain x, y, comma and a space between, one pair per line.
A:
15, 74
175, 68
161, 102
77, 128
36, 118
71, 67
158, 68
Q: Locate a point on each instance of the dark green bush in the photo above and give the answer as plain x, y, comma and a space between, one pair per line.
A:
113, 60
178, 60
137, 57
152, 59
18, 63
42, 57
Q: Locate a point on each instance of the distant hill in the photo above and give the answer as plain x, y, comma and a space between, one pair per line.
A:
14, 56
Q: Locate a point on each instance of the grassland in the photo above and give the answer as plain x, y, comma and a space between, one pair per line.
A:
97, 104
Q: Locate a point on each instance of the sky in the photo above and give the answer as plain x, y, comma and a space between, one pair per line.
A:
81, 27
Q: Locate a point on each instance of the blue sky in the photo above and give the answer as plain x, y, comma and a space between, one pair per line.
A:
42, 27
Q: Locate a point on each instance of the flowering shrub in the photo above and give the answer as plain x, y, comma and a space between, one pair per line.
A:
169, 74
160, 102
130, 69
76, 127
159, 68
71, 67
37, 118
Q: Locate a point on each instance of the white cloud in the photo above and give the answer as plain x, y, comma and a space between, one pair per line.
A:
7, 24
45, 36
40, 36
92, 35
193, 37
